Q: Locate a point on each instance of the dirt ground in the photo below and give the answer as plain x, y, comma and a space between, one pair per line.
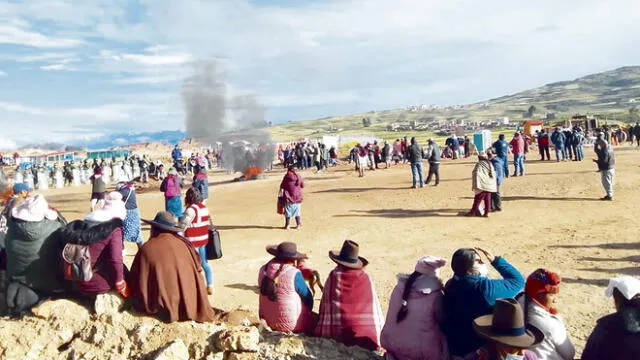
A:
552, 218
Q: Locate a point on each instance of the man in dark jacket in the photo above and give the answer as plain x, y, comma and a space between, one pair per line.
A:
606, 165
568, 141
415, 158
636, 133
471, 294
558, 140
501, 148
433, 156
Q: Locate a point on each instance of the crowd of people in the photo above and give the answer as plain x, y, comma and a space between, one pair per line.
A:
305, 155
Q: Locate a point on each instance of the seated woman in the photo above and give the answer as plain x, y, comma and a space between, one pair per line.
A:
506, 333
101, 230
285, 299
165, 276
541, 291
32, 244
617, 336
411, 330
470, 294
350, 310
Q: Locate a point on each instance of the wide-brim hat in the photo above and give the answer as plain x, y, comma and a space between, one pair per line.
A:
286, 251
507, 326
348, 256
164, 220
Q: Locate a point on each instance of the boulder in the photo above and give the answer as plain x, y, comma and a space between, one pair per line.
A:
176, 350
239, 339
240, 356
290, 345
108, 304
61, 309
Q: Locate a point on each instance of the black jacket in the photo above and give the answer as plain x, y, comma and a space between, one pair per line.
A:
415, 153
615, 337
606, 157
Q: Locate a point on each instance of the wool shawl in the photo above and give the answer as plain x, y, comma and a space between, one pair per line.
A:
350, 311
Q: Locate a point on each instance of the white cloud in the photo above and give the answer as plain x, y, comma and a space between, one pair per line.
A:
175, 59
3, 74
53, 67
149, 80
43, 57
7, 144
11, 34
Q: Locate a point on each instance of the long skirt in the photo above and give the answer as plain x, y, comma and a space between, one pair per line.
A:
132, 231
292, 209
174, 206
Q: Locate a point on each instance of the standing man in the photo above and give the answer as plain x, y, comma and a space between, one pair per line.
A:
517, 147
568, 142
606, 165
501, 148
496, 199
578, 144
558, 139
636, 133
543, 144
415, 158
433, 156
176, 154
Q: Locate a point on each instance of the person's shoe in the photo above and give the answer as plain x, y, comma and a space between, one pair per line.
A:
210, 289
414, 187
470, 214
298, 227
287, 227
607, 198
486, 214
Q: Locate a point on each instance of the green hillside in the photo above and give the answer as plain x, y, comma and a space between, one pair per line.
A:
613, 95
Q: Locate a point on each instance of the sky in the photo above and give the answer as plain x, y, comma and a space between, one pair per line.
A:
80, 69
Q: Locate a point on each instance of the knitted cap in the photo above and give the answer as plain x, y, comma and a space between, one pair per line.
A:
542, 281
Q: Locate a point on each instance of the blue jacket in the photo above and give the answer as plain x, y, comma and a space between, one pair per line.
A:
176, 154
558, 138
471, 296
502, 148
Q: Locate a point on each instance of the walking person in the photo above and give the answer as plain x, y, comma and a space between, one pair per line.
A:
501, 148
483, 184
98, 189
291, 187
171, 186
496, 199
195, 224
558, 139
131, 230
433, 156
415, 158
606, 165
518, 150
361, 161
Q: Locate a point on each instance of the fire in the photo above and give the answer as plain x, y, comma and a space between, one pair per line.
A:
5, 193
252, 173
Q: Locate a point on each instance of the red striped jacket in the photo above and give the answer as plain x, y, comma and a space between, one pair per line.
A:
198, 231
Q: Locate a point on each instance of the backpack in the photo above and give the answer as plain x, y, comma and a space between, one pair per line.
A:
76, 262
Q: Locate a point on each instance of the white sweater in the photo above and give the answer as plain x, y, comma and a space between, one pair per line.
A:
556, 344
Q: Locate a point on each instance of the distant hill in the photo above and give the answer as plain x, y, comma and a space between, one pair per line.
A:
124, 139
614, 95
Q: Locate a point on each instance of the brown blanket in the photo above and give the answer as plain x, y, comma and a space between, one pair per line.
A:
165, 280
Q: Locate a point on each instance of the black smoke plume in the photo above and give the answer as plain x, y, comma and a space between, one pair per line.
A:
212, 117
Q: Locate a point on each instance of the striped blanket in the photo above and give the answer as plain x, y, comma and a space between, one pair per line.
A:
350, 311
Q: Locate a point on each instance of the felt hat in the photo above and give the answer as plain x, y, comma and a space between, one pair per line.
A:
348, 256
113, 208
286, 251
507, 326
164, 220
628, 286
34, 209
429, 265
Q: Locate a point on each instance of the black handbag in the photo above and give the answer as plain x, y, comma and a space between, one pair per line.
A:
214, 247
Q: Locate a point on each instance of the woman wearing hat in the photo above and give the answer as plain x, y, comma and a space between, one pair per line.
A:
617, 336
32, 251
350, 310
165, 276
98, 188
132, 230
411, 330
291, 188
541, 291
506, 333
102, 231
286, 301
483, 184
171, 186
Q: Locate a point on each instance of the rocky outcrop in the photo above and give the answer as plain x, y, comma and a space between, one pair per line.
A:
63, 329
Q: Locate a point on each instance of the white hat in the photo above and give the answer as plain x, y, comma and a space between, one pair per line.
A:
34, 209
627, 285
113, 208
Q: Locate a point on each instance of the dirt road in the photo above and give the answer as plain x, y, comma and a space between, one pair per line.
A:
552, 218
